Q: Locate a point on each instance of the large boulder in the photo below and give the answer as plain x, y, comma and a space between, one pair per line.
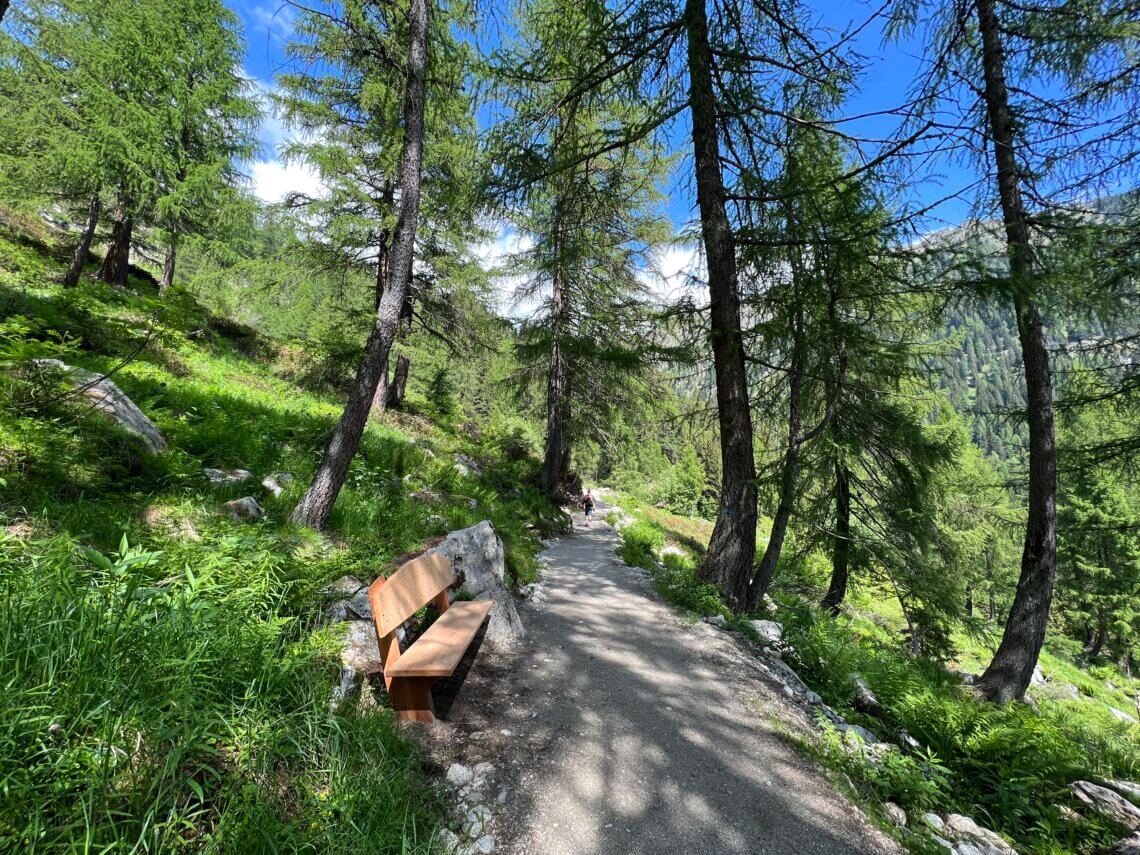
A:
1107, 803
479, 563
962, 836
108, 399
359, 658
245, 509
1130, 845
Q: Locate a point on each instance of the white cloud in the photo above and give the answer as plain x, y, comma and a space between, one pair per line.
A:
493, 255
273, 180
276, 20
678, 269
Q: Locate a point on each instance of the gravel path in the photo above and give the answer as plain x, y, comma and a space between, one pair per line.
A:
624, 728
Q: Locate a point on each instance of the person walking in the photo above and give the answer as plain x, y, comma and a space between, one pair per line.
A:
588, 507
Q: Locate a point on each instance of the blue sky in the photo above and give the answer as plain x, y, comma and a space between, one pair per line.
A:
892, 67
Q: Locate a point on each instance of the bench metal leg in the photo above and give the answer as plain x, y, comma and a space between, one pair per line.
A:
411, 697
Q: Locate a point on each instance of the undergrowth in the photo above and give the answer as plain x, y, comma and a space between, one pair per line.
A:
164, 687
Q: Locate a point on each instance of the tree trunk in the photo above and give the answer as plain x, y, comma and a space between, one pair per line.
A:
83, 248
788, 476
555, 473
317, 503
116, 263
3, 8
732, 547
398, 386
380, 394
841, 541
1096, 640
168, 265
1011, 669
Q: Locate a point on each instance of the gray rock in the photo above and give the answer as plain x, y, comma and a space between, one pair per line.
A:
933, 820
359, 658
359, 606
715, 620
850, 731
896, 813
770, 631
970, 838
345, 586
1107, 803
464, 465
109, 399
479, 563
245, 508
813, 698
1126, 788
483, 771
227, 476
458, 775
1121, 715
272, 485
1129, 845
427, 497
1038, 677
475, 820
485, 845
864, 700
448, 841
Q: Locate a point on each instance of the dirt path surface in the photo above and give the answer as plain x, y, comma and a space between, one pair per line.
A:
621, 727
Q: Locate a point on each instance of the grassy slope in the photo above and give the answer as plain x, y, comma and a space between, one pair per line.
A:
165, 690
1009, 768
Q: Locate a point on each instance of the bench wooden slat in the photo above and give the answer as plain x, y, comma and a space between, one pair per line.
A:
437, 652
401, 595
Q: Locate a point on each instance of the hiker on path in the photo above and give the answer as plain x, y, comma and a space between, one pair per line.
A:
588, 507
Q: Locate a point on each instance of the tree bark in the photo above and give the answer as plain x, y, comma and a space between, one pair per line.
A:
83, 248
380, 394
116, 263
840, 541
317, 503
168, 265
732, 547
1011, 669
399, 384
3, 8
555, 473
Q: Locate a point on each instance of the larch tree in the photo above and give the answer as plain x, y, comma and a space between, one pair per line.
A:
1047, 95
592, 220
317, 503
343, 100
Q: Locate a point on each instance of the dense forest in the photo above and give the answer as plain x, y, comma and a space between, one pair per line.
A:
898, 413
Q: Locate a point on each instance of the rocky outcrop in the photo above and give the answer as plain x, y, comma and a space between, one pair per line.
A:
479, 563
1107, 803
109, 399
464, 465
359, 658
770, 631
1130, 845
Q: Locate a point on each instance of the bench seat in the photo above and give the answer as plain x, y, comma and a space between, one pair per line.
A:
437, 652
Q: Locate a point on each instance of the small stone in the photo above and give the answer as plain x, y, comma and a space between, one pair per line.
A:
458, 775
506, 732
718, 621
933, 820
813, 698
345, 586
864, 700
485, 845
245, 508
227, 476
896, 813
448, 841
483, 770
1121, 715
272, 486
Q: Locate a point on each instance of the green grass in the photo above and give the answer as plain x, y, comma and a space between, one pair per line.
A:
163, 691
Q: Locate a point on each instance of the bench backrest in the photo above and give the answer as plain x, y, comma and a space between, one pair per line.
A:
401, 595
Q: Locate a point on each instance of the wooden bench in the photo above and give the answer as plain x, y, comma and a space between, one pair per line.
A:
409, 674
